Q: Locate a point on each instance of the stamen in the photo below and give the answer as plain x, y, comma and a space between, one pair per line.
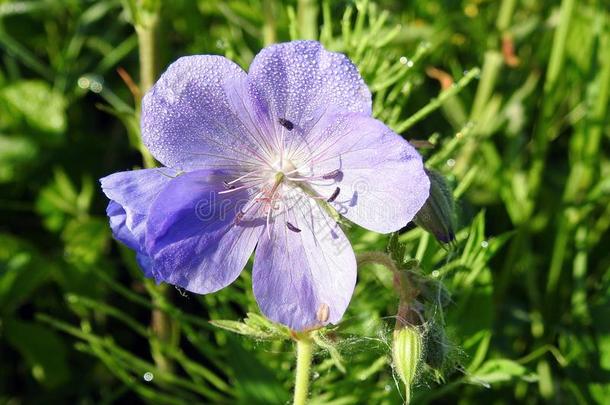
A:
292, 227
239, 217
255, 200
258, 171
323, 313
286, 124
334, 195
233, 189
332, 175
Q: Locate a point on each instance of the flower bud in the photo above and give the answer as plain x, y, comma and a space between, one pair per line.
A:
437, 346
437, 215
406, 353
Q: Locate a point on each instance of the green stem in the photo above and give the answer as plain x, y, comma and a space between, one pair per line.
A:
147, 46
270, 24
147, 40
559, 45
505, 15
377, 258
147, 23
438, 101
307, 16
491, 68
304, 356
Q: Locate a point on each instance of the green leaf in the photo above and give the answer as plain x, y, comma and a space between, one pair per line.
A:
35, 103
60, 200
15, 153
85, 239
501, 370
22, 270
255, 326
254, 381
43, 350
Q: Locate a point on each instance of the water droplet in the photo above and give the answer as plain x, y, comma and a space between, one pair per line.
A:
450, 162
96, 87
148, 376
424, 45
436, 273
484, 244
83, 82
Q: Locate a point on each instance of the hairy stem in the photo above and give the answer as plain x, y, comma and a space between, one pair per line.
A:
304, 356
307, 17
147, 23
147, 46
437, 102
377, 258
270, 24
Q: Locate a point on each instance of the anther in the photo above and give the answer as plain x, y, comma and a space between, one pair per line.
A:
333, 197
286, 124
239, 217
323, 313
332, 175
292, 227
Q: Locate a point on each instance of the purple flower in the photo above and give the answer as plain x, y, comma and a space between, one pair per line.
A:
265, 160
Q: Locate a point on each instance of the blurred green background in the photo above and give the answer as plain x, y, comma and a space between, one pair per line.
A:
524, 143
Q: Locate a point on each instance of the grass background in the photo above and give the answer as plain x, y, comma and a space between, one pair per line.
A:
513, 95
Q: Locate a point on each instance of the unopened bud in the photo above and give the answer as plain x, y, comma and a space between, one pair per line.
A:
437, 215
437, 345
406, 354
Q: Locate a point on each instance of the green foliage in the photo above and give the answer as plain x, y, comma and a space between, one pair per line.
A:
515, 311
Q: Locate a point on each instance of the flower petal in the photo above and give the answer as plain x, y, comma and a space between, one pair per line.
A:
299, 81
193, 236
195, 117
133, 191
382, 183
305, 270
118, 218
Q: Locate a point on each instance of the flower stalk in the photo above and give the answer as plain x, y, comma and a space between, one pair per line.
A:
303, 369
307, 16
146, 23
269, 24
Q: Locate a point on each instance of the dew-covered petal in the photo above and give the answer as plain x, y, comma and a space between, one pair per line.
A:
380, 176
146, 264
299, 81
118, 218
196, 116
131, 193
304, 268
193, 235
